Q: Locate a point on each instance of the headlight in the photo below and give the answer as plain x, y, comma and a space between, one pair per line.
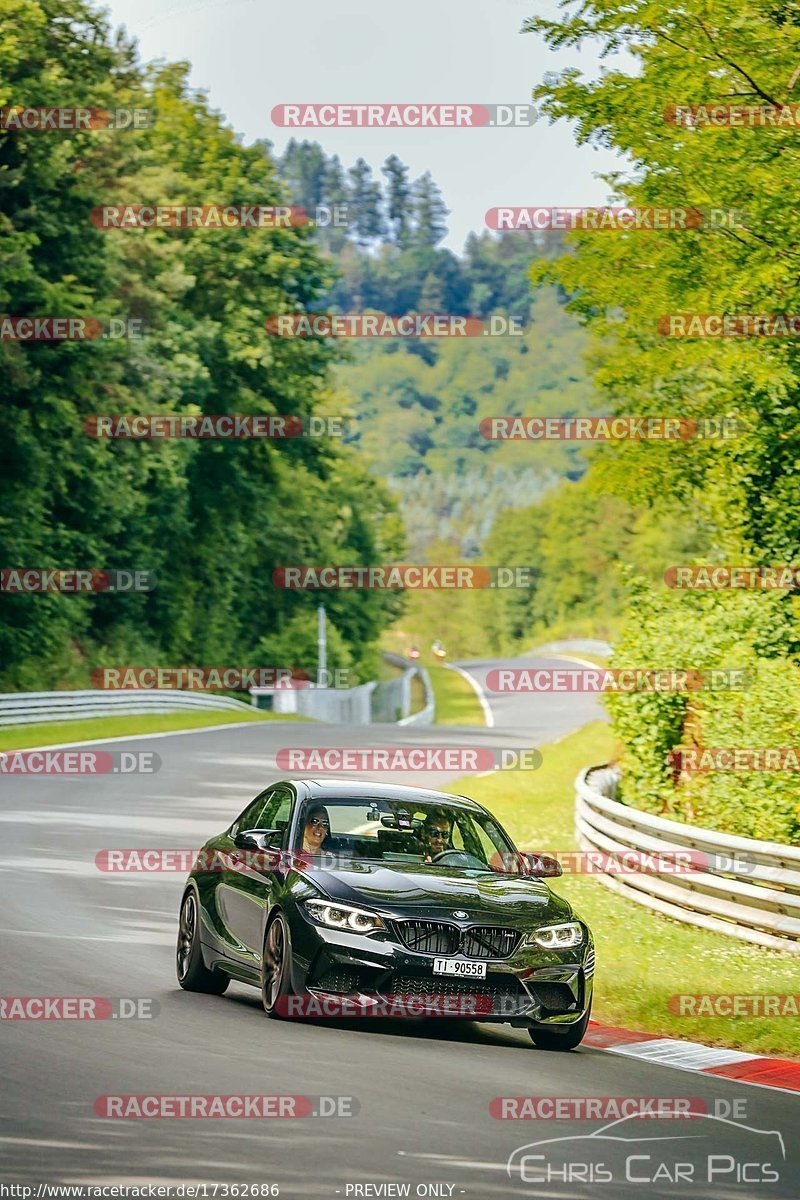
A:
557, 937
342, 916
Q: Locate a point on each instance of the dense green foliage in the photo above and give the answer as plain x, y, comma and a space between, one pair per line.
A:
212, 519
744, 492
582, 543
387, 254
419, 413
417, 405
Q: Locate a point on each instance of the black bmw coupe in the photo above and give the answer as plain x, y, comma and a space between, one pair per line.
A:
326, 895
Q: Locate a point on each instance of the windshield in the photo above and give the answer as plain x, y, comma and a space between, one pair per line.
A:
397, 831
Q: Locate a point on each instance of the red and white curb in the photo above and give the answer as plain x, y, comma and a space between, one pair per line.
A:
737, 1065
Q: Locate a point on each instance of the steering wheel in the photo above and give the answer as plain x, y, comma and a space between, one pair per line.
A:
458, 858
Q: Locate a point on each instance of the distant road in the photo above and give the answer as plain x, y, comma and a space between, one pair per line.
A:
535, 717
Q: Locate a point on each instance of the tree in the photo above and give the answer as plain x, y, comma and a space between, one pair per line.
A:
211, 519
365, 197
398, 201
742, 490
430, 212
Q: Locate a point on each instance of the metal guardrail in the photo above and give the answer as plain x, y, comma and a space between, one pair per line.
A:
337, 706
28, 708
387, 701
749, 889
400, 691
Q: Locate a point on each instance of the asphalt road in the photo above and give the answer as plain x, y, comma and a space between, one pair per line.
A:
422, 1089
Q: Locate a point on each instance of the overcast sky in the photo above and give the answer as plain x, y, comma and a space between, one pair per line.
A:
253, 54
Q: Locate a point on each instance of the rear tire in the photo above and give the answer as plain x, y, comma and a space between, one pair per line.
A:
564, 1037
193, 974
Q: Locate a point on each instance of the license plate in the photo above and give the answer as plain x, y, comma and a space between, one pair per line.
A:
453, 966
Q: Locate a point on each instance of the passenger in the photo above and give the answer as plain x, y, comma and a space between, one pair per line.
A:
316, 830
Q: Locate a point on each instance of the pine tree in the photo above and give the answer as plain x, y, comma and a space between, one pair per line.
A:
398, 201
367, 221
430, 212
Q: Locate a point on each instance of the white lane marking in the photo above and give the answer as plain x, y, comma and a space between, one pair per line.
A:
488, 715
691, 1056
123, 936
185, 826
134, 737
582, 662
451, 1161
32, 1141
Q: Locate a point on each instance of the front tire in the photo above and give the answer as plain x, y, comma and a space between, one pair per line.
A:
564, 1037
276, 968
193, 974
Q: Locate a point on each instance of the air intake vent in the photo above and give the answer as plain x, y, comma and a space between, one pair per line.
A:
555, 997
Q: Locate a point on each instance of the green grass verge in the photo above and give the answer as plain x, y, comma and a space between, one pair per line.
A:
456, 701
643, 958
17, 737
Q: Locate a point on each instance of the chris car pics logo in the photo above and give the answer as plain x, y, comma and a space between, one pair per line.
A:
712, 1150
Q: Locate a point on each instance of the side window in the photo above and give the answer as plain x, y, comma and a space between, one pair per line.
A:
267, 811
466, 837
245, 820
277, 811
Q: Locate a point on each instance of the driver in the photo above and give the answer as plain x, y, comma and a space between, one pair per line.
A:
435, 834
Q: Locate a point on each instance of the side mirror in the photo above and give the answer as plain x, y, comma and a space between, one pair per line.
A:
543, 866
256, 839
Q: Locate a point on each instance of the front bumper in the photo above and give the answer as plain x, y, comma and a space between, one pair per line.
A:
552, 987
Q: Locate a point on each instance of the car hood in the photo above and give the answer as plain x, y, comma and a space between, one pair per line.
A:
408, 889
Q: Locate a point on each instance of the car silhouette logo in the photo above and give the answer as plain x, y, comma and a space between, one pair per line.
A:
459, 912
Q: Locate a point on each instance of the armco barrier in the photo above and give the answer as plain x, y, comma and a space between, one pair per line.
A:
27, 708
400, 690
387, 701
750, 889
339, 706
